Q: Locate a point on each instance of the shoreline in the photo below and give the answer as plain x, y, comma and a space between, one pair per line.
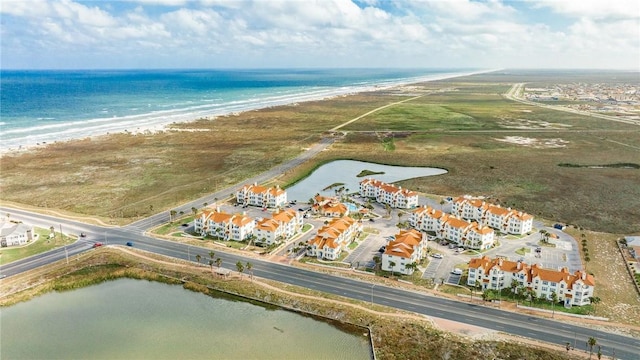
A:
16, 148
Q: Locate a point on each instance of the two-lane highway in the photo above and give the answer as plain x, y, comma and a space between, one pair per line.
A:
418, 302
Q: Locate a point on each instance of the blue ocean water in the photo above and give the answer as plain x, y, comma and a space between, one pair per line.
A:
45, 106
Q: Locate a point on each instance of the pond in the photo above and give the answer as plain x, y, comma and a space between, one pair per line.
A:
137, 319
345, 172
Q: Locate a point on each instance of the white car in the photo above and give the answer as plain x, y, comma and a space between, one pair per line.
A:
456, 271
437, 256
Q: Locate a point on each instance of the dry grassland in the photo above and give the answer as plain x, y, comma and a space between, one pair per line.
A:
456, 125
619, 300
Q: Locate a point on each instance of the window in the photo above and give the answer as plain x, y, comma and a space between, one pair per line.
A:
545, 283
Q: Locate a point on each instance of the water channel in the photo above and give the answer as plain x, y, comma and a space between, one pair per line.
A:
346, 171
137, 319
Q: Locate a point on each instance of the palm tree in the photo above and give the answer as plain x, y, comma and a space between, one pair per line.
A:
218, 262
198, 258
172, 213
212, 254
413, 266
194, 210
240, 268
554, 300
591, 343
543, 235
377, 261
249, 267
392, 264
211, 265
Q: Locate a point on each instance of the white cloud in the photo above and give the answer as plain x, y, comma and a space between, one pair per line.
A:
594, 9
316, 33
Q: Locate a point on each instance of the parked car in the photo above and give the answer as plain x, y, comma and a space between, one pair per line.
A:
98, 244
382, 249
559, 226
83, 234
129, 243
452, 246
456, 271
437, 256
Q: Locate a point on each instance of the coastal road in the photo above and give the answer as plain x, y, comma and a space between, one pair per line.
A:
417, 302
163, 217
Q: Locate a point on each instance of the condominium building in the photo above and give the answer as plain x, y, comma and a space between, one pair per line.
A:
496, 274
406, 250
15, 233
470, 235
502, 219
394, 196
261, 196
334, 237
329, 206
223, 225
282, 225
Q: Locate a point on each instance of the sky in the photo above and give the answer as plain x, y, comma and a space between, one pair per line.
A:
99, 34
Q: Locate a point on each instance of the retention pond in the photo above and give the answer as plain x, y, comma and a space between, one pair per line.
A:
137, 319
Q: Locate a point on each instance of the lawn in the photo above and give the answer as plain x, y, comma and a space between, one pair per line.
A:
42, 244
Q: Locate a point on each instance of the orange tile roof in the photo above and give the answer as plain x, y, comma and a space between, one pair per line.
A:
398, 248
457, 223
483, 230
267, 225
285, 216
497, 210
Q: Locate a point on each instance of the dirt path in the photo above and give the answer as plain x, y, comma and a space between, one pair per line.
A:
372, 111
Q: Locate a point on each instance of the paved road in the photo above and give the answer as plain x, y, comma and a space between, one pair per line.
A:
422, 303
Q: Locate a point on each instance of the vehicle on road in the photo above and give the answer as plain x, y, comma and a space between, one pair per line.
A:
83, 234
452, 246
98, 244
456, 271
129, 243
437, 256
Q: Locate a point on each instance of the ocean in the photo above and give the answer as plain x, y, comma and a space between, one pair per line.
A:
39, 107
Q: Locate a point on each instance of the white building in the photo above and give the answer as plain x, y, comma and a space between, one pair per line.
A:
407, 249
15, 233
332, 238
224, 226
283, 225
502, 219
261, 196
384, 193
496, 274
466, 234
